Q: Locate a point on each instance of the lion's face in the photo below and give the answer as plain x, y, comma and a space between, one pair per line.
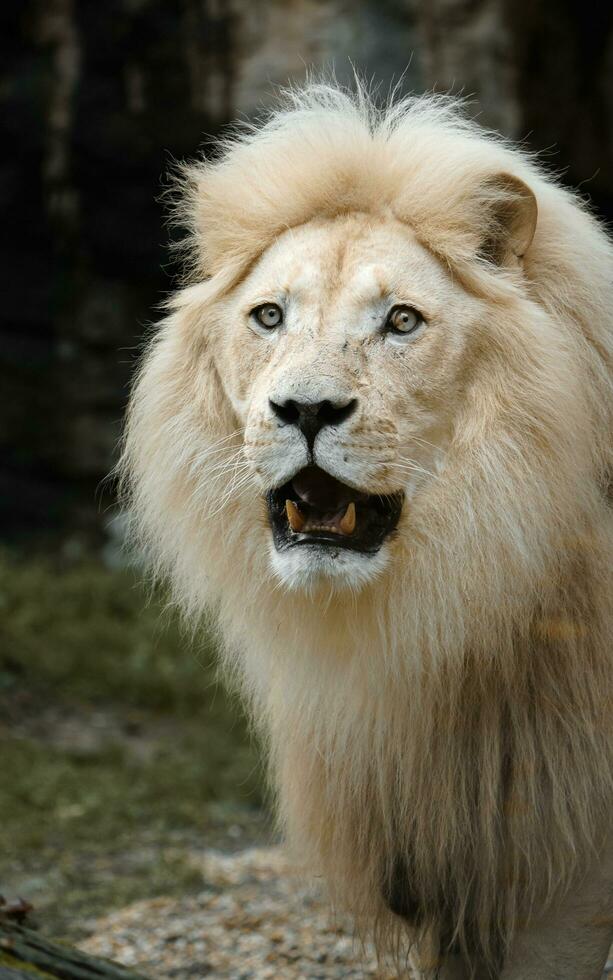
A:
344, 353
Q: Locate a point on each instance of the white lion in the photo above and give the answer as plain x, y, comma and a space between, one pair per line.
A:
374, 434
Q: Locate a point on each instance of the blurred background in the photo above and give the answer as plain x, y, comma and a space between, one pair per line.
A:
120, 753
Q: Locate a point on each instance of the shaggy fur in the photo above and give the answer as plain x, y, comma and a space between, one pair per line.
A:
442, 734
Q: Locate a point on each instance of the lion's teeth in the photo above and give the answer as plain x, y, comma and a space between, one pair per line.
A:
347, 522
295, 518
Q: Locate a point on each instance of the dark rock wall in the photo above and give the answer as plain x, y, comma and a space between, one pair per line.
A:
538, 70
96, 99
564, 71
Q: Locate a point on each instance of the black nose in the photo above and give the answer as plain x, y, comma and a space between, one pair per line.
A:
311, 417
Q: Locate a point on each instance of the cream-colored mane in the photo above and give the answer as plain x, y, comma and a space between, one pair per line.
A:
449, 722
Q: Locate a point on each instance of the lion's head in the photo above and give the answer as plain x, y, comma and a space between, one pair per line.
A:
375, 347
346, 353
388, 390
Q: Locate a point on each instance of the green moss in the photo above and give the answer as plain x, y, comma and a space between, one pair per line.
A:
14, 964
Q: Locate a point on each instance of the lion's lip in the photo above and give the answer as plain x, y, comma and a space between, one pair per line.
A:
317, 509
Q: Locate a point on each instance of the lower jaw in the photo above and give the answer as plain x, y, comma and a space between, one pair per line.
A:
325, 545
367, 543
343, 521
308, 567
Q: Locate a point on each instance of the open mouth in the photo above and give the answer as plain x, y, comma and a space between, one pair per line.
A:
314, 508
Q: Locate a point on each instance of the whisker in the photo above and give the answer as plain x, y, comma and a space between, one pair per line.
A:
235, 488
225, 466
424, 442
199, 460
218, 485
217, 453
410, 466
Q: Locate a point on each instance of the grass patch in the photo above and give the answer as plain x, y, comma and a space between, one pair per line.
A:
94, 633
119, 749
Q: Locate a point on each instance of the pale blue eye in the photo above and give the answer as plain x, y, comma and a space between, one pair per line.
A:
269, 315
403, 320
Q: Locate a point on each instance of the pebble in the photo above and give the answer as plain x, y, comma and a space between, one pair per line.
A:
255, 919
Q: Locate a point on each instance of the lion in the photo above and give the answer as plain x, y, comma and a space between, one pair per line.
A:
373, 435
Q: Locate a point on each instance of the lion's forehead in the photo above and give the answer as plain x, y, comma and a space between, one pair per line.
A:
340, 275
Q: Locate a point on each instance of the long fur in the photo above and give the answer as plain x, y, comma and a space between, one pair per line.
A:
453, 719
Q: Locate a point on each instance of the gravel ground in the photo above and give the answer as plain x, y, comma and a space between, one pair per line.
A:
253, 920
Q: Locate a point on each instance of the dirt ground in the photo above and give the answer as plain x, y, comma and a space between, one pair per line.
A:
253, 919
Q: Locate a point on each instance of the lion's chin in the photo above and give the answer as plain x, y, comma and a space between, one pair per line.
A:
314, 566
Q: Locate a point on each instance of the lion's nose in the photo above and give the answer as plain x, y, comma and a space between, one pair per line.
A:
311, 417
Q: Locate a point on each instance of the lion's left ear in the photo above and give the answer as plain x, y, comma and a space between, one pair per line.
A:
510, 213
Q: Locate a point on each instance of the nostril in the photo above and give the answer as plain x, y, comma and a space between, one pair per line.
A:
287, 412
318, 413
311, 417
332, 414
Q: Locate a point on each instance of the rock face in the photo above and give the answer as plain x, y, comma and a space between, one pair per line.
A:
97, 99
538, 71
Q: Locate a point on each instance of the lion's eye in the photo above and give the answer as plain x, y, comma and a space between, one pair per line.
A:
403, 320
269, 315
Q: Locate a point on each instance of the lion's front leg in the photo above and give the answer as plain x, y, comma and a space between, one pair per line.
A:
452, 968
571, 941
427, 963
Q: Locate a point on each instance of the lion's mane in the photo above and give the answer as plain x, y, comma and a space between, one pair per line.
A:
453, 719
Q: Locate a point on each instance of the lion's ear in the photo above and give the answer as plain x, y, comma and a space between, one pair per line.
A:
510, 213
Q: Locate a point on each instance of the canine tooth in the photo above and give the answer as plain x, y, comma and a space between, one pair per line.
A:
295, 518
347, 522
